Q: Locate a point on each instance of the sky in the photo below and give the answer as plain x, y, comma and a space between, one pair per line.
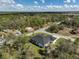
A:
39, 5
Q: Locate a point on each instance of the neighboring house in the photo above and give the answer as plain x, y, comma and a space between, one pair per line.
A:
42, 40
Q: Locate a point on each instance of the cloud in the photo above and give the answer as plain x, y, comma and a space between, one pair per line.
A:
35, 2
10, 4
6, 2
69, 1
43, 1
19, 6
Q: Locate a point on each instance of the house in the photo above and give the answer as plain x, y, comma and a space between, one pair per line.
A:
42, 40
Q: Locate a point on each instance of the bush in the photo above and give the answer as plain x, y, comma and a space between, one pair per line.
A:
55, 28
37, 57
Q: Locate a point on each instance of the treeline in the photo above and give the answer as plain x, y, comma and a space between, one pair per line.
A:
37, 20
72, 22
20, 21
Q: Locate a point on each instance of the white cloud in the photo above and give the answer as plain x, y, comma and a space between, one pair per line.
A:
19, 6
35, 2
10, 4
67, 1
6, 2
43, 1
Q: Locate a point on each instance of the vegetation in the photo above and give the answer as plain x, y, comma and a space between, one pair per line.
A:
72, 22
20, 21
19, 47
65, 49
55, 28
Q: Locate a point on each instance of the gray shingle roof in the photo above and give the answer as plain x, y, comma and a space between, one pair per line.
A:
43, 39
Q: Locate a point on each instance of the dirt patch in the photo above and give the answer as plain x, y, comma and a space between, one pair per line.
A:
65, 31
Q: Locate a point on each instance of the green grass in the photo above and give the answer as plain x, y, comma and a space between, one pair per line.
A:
45, 34
34, 48
60, 41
